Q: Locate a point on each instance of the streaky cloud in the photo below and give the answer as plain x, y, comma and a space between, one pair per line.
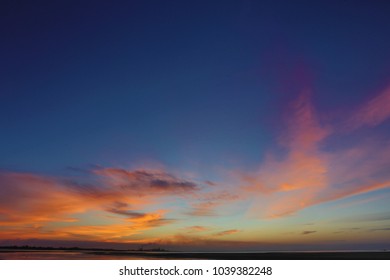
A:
306, 232
307, 174
142, 180
373, 113
227, 232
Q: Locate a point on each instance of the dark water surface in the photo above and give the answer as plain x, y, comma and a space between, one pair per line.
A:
141, 255
69, 255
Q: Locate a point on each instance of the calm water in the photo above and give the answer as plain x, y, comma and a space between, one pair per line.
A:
131, 255
66, 255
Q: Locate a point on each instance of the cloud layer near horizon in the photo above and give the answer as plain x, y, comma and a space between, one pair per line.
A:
309, 171
129, 201
29, 200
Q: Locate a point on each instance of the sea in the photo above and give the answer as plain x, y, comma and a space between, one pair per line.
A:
69, 255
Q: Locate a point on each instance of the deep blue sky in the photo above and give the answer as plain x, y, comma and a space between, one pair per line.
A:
183, 83
204, 124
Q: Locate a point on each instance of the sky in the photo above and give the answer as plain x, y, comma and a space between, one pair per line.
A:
207, 125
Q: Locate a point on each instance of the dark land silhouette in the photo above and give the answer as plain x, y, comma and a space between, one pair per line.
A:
157, 253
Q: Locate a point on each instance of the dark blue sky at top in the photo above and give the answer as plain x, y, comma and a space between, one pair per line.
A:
192, 84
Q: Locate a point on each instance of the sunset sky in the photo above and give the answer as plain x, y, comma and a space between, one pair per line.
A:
208, 125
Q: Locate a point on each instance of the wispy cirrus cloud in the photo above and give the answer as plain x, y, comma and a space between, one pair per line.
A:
142, 181
309, 173
193, 229
207, 202
373, 113
292, 182
227, 232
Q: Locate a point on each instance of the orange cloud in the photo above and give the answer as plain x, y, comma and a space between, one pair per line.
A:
294, 180
117, 232
32, 206
196, 228
227, 232
360, 189
32, 203
207, 203
308, 174
31, 199
122, 232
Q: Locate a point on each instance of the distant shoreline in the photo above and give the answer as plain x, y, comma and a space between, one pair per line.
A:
264, 256
162, 254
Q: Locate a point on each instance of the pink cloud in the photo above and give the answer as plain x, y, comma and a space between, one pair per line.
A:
373, 112
196, 229
308, 174
292, 181
227, 232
